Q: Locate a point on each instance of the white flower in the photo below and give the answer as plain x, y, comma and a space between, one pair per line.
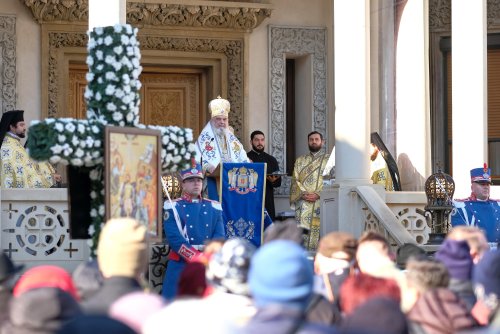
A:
111, 106
110, 90
117, 66
95, 129
100, 67
76, 162
118, 49
94, 174
88, 93
180, 140
191, 147
173, 137
117, 28
35, 122
75, 141
97, 143
70, 127
128, 27
99, 41
91, 43
63, 161
89, 141
164, 140
93, 195
95, 154
98, 30
91, 230
93, 213
81, 128
99, 54
68, 151
61, 138
90, 60
98, 96
119, 93
126, 79
54, 159
189, 135
79, 153
50, 120
117, 116
110, 76
170, 146
108, 40
135, 62
101, 209
59, 127
109, 59
99, 80
130, 117
176, 159
182, 151
124, 39
127, 98
56, 149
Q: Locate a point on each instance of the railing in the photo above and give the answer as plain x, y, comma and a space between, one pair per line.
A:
35, 230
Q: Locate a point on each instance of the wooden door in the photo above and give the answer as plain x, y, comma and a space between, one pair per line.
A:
169, 96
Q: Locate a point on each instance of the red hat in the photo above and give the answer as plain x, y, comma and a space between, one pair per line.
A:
46, 277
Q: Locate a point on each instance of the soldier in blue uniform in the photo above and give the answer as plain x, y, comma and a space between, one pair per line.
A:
479, 210
198, 220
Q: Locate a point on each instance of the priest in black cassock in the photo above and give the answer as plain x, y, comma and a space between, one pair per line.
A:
257, 154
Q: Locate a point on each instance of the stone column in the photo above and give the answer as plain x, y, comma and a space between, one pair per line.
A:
469, 94
340, 206
352, 90
412, 96
103, 13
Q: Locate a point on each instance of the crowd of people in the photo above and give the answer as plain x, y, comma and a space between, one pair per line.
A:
352, 285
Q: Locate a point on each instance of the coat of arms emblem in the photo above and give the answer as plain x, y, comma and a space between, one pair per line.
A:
242, 180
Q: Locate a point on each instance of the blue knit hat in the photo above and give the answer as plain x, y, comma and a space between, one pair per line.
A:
280, 273
455, 255
486, 277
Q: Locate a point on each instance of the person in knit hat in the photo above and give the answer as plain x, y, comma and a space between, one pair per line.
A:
281, 283
41, 310
435, 309
486, 280
46, 276
455, 255
122, 257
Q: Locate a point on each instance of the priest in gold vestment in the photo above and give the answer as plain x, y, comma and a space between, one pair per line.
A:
306, 186
17, 169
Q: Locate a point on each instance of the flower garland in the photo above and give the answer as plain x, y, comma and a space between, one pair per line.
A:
112, 97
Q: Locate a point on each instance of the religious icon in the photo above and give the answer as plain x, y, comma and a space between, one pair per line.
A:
132, 174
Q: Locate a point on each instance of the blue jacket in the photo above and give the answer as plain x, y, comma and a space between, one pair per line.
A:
200, 221
483, 214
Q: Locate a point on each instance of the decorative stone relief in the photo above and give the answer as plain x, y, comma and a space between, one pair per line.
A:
231, 48
245, 17
285, 41
7, 63
440, 15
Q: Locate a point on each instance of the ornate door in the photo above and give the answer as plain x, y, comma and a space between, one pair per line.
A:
169, 96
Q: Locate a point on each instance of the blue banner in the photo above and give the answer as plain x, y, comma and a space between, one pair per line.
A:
243, 196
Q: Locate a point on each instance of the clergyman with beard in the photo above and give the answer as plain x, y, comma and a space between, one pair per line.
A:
17, 169
217, 143
257, 154
306, 186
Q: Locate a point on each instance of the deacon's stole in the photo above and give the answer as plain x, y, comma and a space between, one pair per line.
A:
307, 177
243, 196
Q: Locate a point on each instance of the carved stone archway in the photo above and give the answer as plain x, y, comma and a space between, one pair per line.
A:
285, 42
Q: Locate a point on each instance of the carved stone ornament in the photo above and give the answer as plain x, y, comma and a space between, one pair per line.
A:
232, 49
7, 63
246, 16
440, 15
298, 42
